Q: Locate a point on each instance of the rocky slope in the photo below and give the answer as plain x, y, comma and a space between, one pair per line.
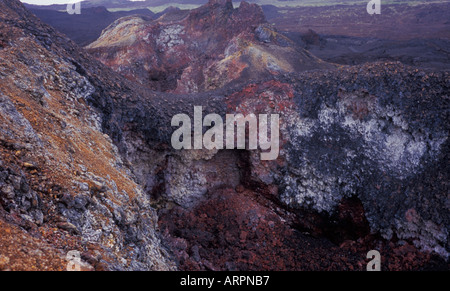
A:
200, 50
87, 164
63, 185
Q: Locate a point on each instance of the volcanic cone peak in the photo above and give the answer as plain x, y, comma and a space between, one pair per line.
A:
200, 50
226, 3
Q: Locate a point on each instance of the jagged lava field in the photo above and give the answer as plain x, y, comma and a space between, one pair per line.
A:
87, 162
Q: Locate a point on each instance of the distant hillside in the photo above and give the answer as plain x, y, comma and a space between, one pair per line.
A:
124, 4
86, 27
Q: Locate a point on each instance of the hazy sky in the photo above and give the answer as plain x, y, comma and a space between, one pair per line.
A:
48, 2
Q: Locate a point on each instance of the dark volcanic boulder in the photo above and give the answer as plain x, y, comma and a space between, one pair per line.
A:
380, 133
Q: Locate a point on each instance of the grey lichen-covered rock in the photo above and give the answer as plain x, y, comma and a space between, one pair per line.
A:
380, 136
